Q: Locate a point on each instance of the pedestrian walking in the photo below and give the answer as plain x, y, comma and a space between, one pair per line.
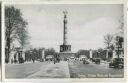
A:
84, 61
33, 60
11, 61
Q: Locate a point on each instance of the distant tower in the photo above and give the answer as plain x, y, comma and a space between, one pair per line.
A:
65, 47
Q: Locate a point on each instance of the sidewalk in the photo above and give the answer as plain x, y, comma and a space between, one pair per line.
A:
51, 70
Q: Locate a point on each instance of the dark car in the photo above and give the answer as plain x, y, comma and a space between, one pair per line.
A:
93, 60
97, 61
117, 63
85, 62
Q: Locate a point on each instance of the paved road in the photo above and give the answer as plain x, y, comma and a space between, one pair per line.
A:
51, 70
73, 69
37, 70
21, 70
79, 70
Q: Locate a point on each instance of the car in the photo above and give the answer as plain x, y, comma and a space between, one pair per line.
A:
72, 57
117, 63
85, 62
93, 60
97, 61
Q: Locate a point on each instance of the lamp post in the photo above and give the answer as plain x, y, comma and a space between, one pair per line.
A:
118, 46
98, 54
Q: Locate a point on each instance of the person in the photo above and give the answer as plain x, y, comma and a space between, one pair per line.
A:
33, 57
19, 60
84, 61
33, 60
57, 59
11, 61
54, 61
15, 61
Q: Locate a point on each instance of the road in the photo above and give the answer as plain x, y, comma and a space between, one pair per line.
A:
79, 70
21, 70
37, 70
64, 69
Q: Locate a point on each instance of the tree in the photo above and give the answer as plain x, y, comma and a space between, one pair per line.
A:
50, 51
119, 45
100, 52
82, 52
13, 22
22, 37
108, 40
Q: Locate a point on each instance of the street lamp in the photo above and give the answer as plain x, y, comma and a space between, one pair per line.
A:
97, 54
119, 43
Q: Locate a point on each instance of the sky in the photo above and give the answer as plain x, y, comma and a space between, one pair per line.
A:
87, 24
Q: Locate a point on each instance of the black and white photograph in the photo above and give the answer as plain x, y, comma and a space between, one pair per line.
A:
0, 44
64, 41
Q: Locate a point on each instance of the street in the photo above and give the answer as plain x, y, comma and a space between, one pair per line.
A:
63, 69
79, 70
21, 70
38, 70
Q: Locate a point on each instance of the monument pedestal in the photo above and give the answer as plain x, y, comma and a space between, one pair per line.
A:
65, 48
65, 51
